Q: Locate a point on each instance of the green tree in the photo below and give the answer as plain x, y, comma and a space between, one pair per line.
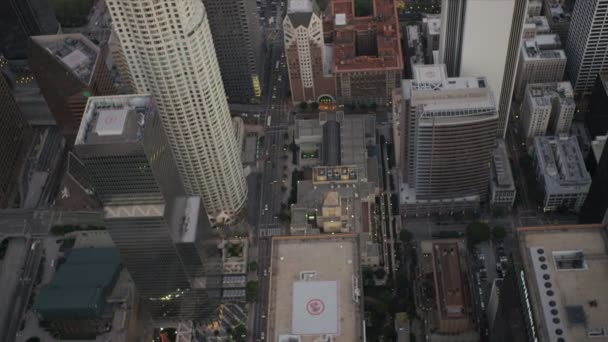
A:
314, 105
253, 266
303, 105
405, 236
239, 334
478, 232
251, 291
499, 233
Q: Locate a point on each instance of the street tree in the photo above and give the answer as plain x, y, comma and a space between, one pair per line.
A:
478, 232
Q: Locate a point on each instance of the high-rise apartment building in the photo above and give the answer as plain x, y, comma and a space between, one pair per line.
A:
20, 19
69, 68
541, 59
122, 156
586, 44
548, 107
238, 42
559, 14
169, 49
15, 134
468, 51
308, 59
534, 26
449, 135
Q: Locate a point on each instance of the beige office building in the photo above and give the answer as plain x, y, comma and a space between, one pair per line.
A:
169, 51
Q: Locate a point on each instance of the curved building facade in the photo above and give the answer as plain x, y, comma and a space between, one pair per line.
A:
170, 54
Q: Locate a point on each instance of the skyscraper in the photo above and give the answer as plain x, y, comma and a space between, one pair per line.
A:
586, 44
14, 136
123, 157
169, 49
69, 68
450, 39
482, 38
309, 74
238, 42
449, 134
20, 19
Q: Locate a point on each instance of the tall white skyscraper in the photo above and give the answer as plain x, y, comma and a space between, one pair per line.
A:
586, 44
170, 54
483, 38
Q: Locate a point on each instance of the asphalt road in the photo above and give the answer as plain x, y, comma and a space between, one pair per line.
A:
24, 290
37, 222
272, 176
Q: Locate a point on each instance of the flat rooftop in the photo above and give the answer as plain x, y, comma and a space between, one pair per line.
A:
543, 93
383, 24
502, 166
566, 271
543, 46
558, 12
561, 162
74, 50
449, 284
433, 24
310, 297
115, 119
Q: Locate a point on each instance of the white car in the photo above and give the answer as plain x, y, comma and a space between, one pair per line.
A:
265, 207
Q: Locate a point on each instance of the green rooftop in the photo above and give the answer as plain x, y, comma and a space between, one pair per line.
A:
79, 288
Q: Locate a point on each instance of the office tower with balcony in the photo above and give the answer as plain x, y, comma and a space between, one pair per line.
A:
169, 50
448, 140
238, 42
15, 134
122, 156
20, 19
69, 68
586, 44
309, 75
482, 38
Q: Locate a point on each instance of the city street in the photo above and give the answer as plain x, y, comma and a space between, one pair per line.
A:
273, 156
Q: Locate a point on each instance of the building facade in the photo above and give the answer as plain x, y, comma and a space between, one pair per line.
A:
238, 42
69, 68
450, 126
534, 26
585, 47
560, 169
595, 208
308, 57
548, 108
20, 19
173, 58
15, 134
467, 24
541, 59
123, 157
534, 8
450, 43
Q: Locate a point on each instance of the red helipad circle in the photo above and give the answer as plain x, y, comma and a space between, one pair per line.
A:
315, 307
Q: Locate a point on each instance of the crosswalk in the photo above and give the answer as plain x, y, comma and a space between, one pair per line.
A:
265, 232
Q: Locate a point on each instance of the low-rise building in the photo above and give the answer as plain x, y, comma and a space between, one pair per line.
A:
541, 59
502, 186
335, 138
75, 303
309, 298
562, 281
548, 108
561, 171
450, 316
